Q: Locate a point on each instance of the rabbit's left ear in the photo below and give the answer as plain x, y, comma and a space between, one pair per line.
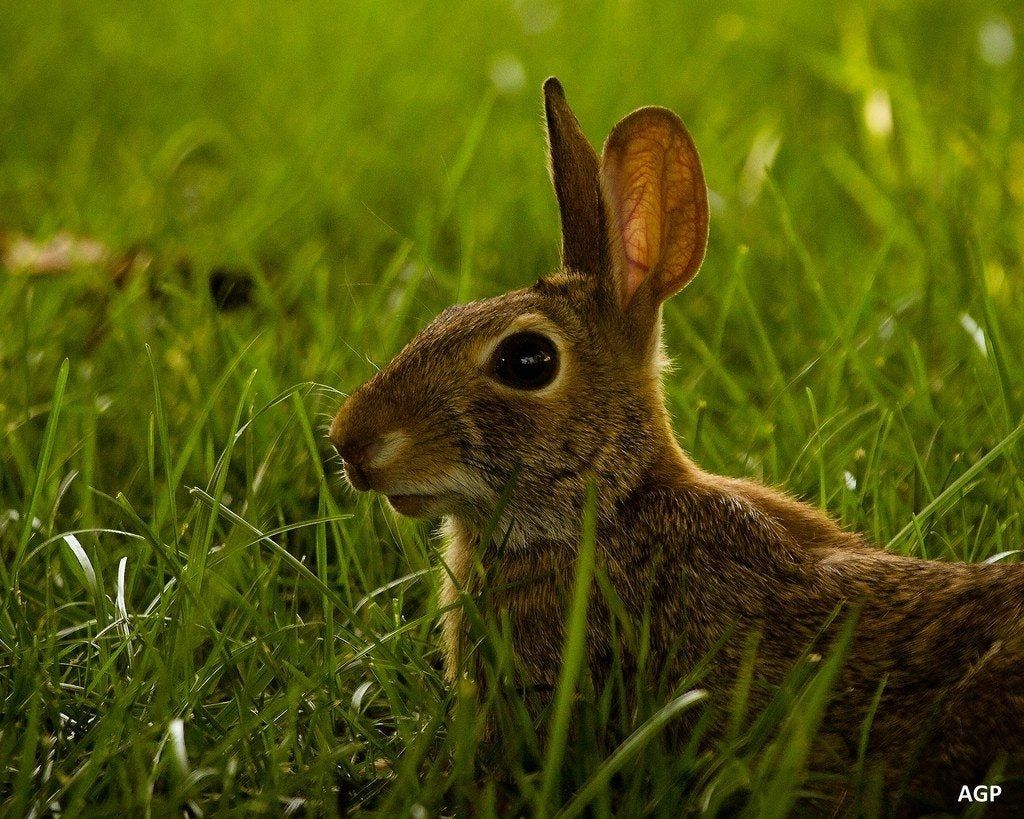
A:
657, 205
574, 173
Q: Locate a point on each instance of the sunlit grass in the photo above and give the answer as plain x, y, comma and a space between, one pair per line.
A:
196, 615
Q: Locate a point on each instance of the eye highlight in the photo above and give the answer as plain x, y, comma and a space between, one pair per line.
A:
525, 361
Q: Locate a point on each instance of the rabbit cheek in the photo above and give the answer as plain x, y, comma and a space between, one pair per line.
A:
508, 428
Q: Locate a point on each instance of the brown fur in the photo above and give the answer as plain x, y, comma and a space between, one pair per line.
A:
705, 558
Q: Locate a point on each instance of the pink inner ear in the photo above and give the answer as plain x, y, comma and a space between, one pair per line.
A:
640, 216
654, 185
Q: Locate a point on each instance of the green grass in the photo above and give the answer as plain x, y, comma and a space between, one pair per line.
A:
194, 615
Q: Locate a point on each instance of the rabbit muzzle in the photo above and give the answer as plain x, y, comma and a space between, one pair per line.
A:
379, 457
365, 452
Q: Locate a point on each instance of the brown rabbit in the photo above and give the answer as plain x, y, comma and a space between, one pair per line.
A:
535, 392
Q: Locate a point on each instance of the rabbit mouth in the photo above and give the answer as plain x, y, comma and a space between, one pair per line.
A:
412, 506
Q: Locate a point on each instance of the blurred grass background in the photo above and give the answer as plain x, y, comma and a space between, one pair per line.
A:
854, 336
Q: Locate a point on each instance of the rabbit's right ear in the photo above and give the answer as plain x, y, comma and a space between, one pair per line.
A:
657, 202
574, 173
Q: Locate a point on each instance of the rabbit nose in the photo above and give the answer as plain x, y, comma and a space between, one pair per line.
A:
357, 455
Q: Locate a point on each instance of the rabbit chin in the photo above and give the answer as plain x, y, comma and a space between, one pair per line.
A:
417, 506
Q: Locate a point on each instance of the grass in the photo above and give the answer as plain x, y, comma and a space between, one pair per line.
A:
194, 616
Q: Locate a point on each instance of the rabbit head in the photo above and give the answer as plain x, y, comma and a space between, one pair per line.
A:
537, 391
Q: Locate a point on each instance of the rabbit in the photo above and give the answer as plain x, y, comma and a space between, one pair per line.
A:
526, 397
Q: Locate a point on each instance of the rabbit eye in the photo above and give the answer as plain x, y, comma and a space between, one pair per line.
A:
526, 361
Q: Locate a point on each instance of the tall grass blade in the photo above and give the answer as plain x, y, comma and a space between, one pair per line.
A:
28, 515
573, 655
951, 492
622, 755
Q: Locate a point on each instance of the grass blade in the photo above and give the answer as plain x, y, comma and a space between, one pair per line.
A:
629, 748
945, 497
42, 469
573, 655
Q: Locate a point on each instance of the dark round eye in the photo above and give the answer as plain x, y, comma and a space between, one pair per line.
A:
526, 361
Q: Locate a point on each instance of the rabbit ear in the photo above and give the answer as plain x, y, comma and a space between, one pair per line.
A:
657, 202
574, 173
